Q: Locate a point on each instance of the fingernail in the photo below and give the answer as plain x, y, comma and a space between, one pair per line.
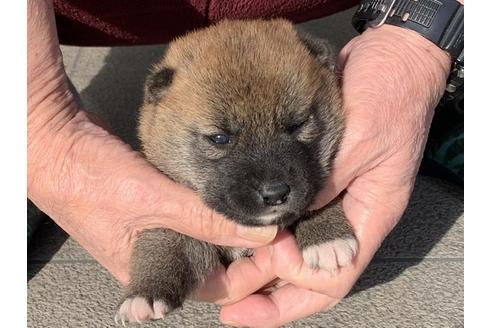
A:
261, 235
231, 323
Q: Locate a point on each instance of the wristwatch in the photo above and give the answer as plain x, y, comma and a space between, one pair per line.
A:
440, 21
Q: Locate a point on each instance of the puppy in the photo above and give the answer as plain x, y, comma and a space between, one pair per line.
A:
248, 114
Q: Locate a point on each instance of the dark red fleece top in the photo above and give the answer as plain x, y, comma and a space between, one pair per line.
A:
132, 22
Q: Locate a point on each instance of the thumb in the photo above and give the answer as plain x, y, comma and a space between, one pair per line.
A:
186, 213
343, 56
215, 228
343, 172
334, 185
340, 176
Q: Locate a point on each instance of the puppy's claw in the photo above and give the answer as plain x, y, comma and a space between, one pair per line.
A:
331, 255
139, 309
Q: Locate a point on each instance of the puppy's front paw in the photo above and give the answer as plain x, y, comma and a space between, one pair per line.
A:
332, 254
139, 309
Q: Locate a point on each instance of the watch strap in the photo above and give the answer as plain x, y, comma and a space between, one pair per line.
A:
440, 21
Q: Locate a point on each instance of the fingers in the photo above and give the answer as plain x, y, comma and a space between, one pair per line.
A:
311, 291
242, 278
281, 260
289, 265
280, 307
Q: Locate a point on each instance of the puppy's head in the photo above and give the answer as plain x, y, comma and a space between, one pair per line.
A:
249, 115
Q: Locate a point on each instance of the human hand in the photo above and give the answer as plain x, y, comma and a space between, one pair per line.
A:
392, 81
101, 192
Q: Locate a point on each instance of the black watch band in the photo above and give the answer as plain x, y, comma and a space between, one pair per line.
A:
440, 21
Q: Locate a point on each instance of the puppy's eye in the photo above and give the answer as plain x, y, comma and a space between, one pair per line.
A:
296, 126
220, 139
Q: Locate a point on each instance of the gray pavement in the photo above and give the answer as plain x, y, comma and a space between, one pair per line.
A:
415, 280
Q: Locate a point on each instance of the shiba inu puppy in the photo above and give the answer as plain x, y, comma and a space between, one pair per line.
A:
249, 115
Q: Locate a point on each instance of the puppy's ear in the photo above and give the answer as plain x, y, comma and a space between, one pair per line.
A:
157, 83
321, 49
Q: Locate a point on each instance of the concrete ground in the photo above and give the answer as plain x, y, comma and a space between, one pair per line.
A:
415, 280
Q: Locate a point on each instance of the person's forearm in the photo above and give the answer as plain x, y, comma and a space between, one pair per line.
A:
51, 106
46, 79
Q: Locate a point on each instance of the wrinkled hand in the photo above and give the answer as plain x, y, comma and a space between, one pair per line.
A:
392, 81
93, 185
103, 194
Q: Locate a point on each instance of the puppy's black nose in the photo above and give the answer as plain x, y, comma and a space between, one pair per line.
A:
274, 193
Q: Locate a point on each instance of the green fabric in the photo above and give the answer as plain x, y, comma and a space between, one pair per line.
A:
449, 151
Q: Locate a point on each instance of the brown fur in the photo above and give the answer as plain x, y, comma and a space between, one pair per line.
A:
204, 64
272, 90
